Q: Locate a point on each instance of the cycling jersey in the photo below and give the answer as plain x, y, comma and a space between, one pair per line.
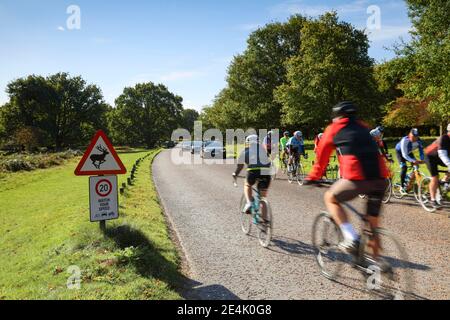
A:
255, 157
283, 143
296, 145
440, 149
357, 152
406, 147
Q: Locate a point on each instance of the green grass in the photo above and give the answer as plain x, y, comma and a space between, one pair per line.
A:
45, 228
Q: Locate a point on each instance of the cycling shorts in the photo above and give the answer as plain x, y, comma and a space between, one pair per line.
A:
433, 162
263, 179
346, 190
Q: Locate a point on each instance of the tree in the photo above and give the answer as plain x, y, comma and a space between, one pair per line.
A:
188, 117
254, 75
145, 114
332, 65
428, 78
65, 109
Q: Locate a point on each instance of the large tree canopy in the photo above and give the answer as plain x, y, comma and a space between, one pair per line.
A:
332, 65
63, 109
145, 114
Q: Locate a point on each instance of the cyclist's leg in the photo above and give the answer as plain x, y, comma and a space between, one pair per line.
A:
375, 192
263, 187
432, 165
404, 167
249, 182
342, 191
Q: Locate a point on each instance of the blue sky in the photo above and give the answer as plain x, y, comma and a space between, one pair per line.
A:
185, 44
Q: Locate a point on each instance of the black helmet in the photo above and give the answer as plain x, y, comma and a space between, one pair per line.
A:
344, 108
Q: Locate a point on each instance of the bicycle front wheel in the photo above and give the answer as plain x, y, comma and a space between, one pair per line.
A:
326, 237
388, 191
246, 219
424, 195
300, 175
391, 277
396, 187
265, 228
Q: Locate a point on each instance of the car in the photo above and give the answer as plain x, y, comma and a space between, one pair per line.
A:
196, 146
170, 144
186, 145
214, 149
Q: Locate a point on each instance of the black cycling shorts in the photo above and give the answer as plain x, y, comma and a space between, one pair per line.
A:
263, 179
432, 163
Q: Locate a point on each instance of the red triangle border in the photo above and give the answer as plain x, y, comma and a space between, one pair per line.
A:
91, 146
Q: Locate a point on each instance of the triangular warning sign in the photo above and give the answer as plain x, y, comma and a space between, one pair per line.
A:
100, 158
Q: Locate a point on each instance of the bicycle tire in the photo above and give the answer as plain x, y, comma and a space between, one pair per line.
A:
424, 195
396, 186
388, 192
265, 230
321, 244
396, 282
300, 175
246, 219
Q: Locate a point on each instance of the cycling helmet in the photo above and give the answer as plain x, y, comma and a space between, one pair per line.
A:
381, 128
344, 108
251, 139
376, 133
298, 134
320, 135
286, 133
415, 132
448, 128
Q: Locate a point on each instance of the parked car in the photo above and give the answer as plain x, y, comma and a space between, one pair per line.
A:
186, 145
214, 149
196, 146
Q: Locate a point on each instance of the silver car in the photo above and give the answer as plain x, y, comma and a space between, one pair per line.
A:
214, 149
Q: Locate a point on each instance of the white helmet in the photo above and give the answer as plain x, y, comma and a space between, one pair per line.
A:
448, 128
298, 134
320, 135
251, 139
376, 133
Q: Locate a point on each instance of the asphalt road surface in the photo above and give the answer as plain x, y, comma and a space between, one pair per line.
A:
223, 263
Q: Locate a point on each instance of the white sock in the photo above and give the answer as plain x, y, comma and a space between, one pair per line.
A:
349, 232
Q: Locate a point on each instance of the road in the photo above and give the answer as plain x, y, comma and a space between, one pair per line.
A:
223, 263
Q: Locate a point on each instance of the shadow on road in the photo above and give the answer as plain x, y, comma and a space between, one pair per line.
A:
194, 290
291, 247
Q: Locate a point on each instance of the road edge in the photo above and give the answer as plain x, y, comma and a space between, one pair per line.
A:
185, 261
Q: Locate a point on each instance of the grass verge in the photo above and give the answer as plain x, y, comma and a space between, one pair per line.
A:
46, 238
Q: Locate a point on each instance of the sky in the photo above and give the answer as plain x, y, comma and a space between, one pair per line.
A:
186, 44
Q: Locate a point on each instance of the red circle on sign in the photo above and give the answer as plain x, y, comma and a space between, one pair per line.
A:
103, 193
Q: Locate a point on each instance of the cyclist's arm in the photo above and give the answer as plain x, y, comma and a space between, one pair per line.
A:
443, 152
406, 151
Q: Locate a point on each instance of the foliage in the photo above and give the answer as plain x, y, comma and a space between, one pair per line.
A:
144, 115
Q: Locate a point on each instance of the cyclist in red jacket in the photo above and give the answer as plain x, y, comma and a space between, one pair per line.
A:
362, 168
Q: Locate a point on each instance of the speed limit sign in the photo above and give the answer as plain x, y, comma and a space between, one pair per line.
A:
103, 198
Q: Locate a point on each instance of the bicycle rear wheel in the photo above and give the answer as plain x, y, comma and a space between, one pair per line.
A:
326, 237
246, 219
393, 280
265, 228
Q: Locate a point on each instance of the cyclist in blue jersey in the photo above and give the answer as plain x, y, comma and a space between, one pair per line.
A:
404, 150
295, 148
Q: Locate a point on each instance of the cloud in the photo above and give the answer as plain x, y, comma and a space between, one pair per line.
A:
61, 29
299, 7
388, 33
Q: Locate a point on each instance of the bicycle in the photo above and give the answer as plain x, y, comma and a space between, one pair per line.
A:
259, 207
392, 281
296, 171
388, 192
442, 194
413, 182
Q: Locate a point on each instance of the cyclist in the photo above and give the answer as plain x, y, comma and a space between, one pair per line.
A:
267, 143
377, 134
438, 154
316, 142
295, 147
404, 150
363, 171
283, 142
258, 168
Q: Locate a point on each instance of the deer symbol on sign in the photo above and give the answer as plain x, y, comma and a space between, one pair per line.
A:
98, 159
